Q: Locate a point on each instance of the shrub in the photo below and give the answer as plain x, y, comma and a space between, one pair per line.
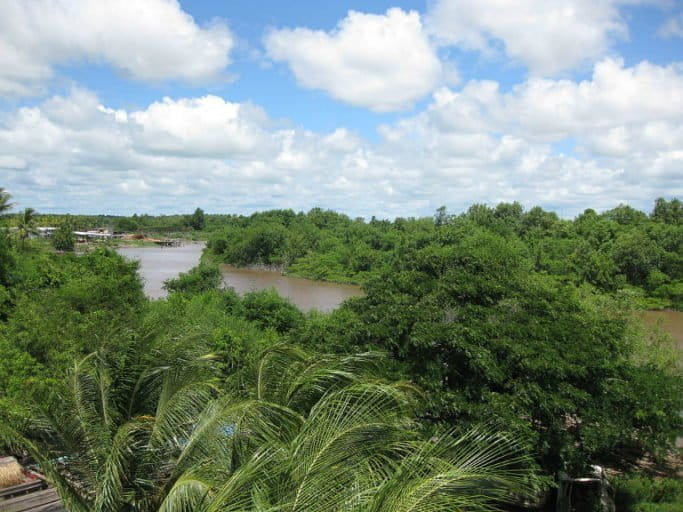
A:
641, 494
199, 279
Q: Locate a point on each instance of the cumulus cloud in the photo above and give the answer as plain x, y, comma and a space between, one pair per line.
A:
475, 144
546, 110
615, 96
546, 37
206, 126
145, 39
383, 62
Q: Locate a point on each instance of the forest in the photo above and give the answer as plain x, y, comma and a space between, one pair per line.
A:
493, 350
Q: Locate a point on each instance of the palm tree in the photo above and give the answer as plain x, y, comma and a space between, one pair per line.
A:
5, 204
27, 225
298, 433
109, 437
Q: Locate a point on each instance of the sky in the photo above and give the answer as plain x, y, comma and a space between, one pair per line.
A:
385, 108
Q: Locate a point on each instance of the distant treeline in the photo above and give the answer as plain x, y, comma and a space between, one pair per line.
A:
620, 249
133, 223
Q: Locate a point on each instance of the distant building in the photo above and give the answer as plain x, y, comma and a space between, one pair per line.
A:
45, 232
94, 234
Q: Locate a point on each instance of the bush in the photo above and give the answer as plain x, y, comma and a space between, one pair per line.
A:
269, 310
641, 494
199, 279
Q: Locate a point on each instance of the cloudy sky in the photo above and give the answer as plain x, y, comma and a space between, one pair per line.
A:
391, 108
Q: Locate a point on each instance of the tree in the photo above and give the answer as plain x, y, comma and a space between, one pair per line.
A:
669, 212
636, 255
487, 337
297, 432
127, 224
5, 204
27, 225
197, 220
441, 216
63, 238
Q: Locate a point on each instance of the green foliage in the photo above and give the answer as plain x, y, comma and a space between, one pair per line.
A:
148, 430
659, 507
669, 212
57, 307
26, 226
199, 279
613, 250
63, 238
619, 248
216, 319
645, 494
514, 318
127, 224
269, 310
7, 261
488, 337
196, 220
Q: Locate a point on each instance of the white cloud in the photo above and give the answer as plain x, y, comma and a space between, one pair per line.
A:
615, 96
546, 110
146, 39
383, 62
476, 144
673, 27
546, 37
206, 126
11, 162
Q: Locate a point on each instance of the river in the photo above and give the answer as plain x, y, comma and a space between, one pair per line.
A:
158, 264
670, 321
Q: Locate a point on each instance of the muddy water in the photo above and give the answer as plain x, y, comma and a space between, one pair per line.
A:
670, 322
158, 264
305, 293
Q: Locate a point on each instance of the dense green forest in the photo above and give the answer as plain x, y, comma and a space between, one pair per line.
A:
492, 350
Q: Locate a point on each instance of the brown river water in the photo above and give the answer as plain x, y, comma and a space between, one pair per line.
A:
158, 264
670, 322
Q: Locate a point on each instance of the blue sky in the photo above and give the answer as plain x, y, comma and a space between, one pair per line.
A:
387, 108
